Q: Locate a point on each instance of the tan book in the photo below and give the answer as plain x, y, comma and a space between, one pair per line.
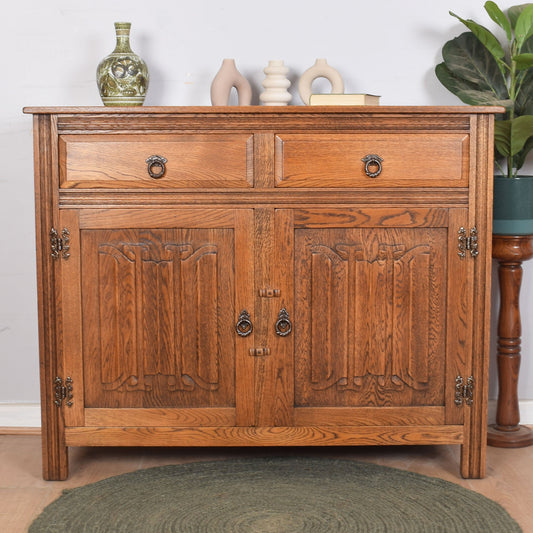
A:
344, 99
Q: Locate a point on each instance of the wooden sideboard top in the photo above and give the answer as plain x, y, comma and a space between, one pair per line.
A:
161, 110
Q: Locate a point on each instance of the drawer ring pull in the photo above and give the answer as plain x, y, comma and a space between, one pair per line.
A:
244, 325
283, 324
156, 166
372, 165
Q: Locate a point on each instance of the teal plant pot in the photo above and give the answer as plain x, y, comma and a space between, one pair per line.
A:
513, 206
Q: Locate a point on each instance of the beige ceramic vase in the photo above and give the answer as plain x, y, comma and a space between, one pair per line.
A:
320, 69
276, 84
228, 77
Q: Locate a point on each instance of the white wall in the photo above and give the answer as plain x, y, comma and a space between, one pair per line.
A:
49, 55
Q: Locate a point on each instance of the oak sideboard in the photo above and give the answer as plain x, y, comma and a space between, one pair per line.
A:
260, 276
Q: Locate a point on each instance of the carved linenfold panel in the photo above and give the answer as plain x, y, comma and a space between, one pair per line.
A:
159, 299
373, 303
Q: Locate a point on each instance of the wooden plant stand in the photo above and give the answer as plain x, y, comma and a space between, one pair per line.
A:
510, 251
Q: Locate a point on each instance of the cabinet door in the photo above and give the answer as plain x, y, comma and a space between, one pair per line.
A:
149, 305
381, 310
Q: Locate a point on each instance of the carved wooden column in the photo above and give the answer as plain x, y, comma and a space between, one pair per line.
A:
510, 251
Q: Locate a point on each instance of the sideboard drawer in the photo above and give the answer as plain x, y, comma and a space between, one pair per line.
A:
186, 161
405, 160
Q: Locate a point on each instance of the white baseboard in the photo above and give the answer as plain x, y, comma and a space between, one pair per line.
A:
20, 415
29, 415
526, 412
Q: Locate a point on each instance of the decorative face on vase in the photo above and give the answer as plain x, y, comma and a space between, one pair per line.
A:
122, 76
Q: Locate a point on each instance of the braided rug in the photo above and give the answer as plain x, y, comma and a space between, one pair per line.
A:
273, 495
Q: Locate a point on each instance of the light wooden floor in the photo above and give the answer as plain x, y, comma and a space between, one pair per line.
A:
23, 493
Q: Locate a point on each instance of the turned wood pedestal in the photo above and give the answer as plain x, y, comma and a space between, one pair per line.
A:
510, 251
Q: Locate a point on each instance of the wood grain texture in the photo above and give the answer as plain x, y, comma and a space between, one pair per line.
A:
104, 161
254, 110
160, 417
409, 160
369, 416
473, 463
371, 307
385, 314
186, 198
375, 217
245, 300
264, 436
55, 455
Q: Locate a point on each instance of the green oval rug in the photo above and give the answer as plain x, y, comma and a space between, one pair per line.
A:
273, 495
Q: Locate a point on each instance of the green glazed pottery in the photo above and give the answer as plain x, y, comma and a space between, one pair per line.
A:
122, 76
513, 205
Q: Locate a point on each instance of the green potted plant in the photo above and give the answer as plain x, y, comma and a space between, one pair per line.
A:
480, 70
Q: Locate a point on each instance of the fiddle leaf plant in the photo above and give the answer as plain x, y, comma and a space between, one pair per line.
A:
480, 70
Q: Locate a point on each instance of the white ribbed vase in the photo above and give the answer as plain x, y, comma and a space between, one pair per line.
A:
275, 84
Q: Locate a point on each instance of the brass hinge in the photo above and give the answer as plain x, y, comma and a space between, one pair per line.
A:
464, 392
63, 391
60, 244
468, 243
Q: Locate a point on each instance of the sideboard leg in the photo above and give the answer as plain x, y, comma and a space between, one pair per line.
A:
55, 464
54, 451
474, 447
510, 251
465, 461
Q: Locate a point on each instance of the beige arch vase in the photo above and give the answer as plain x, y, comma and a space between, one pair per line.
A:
228, 77
320, 69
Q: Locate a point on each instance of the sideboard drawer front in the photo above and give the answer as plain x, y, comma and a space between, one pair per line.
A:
408, 160
192, 161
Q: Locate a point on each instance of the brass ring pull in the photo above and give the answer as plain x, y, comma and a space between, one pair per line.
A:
283, 324
244, 325
372, 165
156, 166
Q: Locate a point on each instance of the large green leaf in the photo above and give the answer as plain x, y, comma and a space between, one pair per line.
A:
521, 132
524, 26
527, 47
520, 158
467, 92
514, 12
486, 38
498, 16
524, 99
510, 136
467, 59
502, 137
523, 61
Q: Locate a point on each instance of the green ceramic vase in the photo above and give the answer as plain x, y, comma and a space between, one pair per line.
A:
122, 76
513, 206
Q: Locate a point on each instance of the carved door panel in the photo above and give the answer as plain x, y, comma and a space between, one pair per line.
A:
371, 326
157, 294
